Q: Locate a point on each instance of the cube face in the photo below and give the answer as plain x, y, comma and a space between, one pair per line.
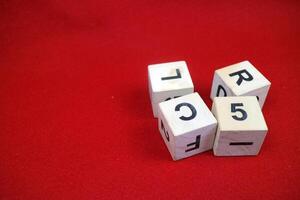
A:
238, 113
241, 126
168, 80
189, 126
195, 142
239, 143
241, 79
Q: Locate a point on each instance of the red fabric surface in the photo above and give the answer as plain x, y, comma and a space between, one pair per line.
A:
75, 114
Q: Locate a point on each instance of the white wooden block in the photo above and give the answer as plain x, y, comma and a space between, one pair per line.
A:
186, 125
241, 79
167, 81
241, 126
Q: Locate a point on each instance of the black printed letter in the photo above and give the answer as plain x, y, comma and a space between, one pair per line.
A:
220, 87
164, 130
191, 107
169, 98
241, 77
197, 144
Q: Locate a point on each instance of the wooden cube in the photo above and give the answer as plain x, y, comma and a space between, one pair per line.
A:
186, 125
241, 126
167, 81
241, 79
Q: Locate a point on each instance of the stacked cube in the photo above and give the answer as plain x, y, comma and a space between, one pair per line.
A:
234, 127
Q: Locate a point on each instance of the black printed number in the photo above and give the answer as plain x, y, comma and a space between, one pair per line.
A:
234, 109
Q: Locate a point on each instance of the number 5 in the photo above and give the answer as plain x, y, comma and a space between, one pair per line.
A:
235, 109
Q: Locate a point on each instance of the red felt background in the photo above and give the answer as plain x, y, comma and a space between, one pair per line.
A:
75, 115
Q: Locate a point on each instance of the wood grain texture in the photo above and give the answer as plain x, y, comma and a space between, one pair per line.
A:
185, 138
237, 82
168, 80
241, 126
